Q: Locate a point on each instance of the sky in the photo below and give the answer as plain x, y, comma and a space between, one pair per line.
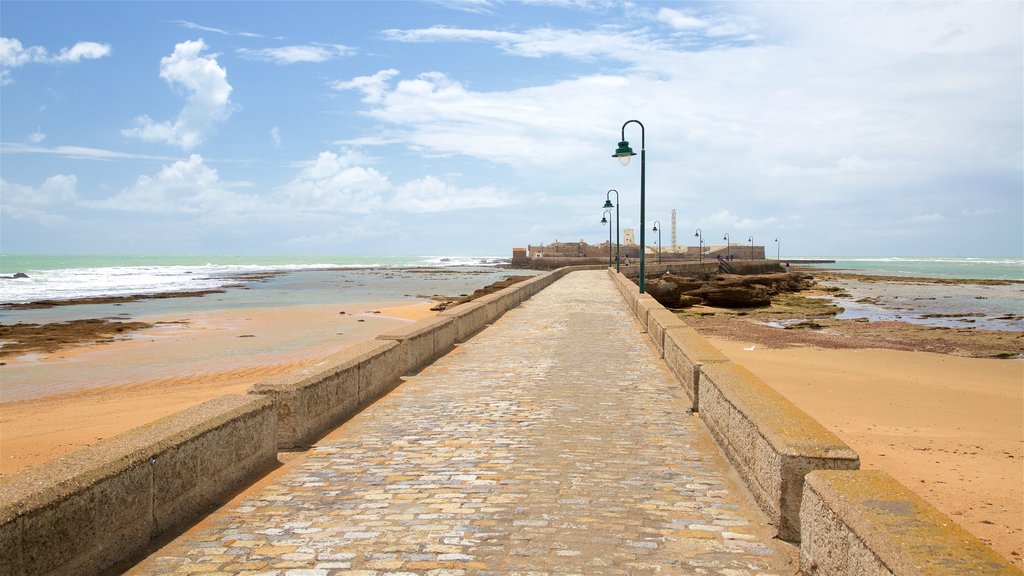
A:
471, 127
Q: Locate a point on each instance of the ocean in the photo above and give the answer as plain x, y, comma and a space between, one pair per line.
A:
972, 268
322, 279
966, 305
69, 277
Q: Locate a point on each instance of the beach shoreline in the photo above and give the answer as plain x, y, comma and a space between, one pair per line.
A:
940, 409
128, 383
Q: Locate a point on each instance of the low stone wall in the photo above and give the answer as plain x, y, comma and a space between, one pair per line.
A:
312, 399
772, 443
865, 522
686, 352
88, 511
848, 521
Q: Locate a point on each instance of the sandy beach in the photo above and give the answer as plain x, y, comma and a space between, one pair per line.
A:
66, 400
940, 409
950, 428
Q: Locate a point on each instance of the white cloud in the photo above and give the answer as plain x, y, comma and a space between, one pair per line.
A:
680, 20
473, 6
980, 212
928, 218
373, 87
726, 220
275, 136
28, 203
14, 55
436, 114
607, 42
194, 26
314, 53
83, 51
334, 182
186, 186
207, 98
37, 137
76, 152
431, 194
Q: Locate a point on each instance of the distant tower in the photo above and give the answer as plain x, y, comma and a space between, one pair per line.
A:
628, 238
673, 230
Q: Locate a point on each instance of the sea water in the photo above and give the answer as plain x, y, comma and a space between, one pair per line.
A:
960, 305
70, 277
972, 268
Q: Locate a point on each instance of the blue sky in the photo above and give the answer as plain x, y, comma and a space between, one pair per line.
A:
470, 127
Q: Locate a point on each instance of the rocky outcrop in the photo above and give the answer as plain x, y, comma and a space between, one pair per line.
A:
725, 290
734, 296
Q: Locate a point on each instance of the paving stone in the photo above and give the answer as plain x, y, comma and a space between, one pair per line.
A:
554, 442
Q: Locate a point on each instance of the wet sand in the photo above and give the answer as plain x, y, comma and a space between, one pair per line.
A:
96, 391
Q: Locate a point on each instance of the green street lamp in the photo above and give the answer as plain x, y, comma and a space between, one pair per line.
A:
751, 240
728, 247
604, 220
778, 249
655, 229
700, 245
608, 204
623, 152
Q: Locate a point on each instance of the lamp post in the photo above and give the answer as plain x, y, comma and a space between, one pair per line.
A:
623, 152
608, 204
655, 229
604, 220
778, 249
700, 246
728, 247
751, 240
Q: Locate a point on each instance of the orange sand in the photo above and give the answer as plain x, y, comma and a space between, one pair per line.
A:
949, 428
118, 386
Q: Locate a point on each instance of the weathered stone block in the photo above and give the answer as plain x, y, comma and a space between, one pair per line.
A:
381, 364
787, 443
660, 321
685, 352
468, 319
866, 522
423, 340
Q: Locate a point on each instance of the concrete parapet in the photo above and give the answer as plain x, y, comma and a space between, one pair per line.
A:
626, 287
423, 341
469, 318
659, 321
865, 522
772, 443
312, 399
102, 505
643, 305
685, 352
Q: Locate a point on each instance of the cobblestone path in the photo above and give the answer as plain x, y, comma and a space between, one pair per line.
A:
553, 442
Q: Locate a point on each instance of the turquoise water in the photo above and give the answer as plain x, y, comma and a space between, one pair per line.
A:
973, 268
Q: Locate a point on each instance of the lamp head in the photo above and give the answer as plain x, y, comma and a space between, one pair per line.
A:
608, 204
624, 153
655, 229
604, 220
